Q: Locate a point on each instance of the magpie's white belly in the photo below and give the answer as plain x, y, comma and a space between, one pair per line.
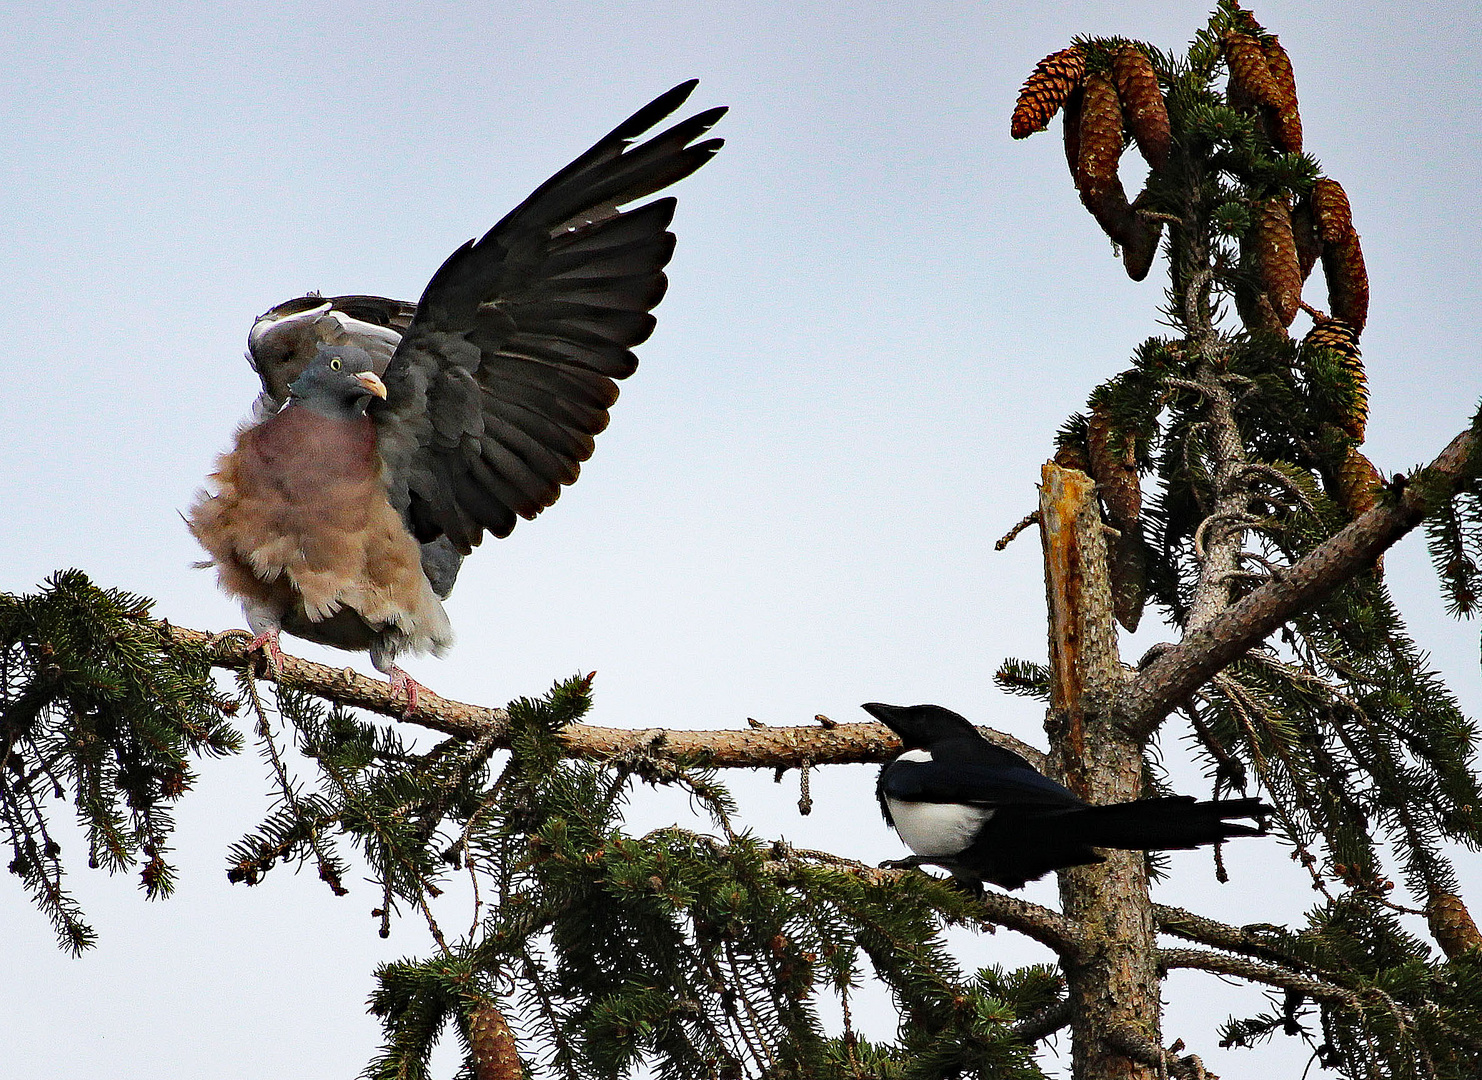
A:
934, 829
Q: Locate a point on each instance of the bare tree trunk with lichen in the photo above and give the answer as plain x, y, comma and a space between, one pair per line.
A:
1113, 981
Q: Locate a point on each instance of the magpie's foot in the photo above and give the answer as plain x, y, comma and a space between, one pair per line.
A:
969, 887
915, 862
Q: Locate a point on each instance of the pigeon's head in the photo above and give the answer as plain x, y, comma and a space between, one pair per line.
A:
338, 381
919, 726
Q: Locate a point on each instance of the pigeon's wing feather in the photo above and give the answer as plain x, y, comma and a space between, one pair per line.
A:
286, 338
505, 374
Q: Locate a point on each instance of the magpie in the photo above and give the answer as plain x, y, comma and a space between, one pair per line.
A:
983, 813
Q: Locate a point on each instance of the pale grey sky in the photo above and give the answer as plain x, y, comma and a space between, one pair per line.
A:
880, 310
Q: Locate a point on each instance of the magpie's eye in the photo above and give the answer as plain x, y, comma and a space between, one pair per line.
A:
334, 365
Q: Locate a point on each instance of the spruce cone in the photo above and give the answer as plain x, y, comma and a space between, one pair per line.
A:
1115, 473
1072, 455
495, 1056
1342, 256
1053, 80
1253, 300
1256, 311
1101, 142
1304, 232
1358, 483
1337, 337
1142, 104
1141, 245
1100, 146
1275, 257
1285, 123
1072, 123
1348, 282
1331, 211
1250, 72
1451, 924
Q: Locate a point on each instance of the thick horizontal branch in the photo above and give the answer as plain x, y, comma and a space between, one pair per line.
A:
1177, 672
1246, 940
1041, 1025
791, 747
1310, 987
1253, 971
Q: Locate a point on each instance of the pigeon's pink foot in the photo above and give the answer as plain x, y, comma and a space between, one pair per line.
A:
402, 683
267, 644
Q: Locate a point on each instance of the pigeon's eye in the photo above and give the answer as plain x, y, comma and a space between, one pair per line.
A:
334, 365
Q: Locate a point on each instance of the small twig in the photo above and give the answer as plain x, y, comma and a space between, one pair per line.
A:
1024, 523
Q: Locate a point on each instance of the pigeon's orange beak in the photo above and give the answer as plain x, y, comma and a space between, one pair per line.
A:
372, 383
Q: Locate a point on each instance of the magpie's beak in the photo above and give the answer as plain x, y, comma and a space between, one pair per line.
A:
890, 716
372, 383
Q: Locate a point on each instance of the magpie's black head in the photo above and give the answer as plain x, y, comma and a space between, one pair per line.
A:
920, 726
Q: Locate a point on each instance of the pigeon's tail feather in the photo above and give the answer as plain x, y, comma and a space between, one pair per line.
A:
1173, 822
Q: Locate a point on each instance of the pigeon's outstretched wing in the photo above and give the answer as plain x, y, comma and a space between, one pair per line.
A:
506, 371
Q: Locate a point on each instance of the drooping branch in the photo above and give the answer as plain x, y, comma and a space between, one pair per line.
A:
791, 747
1177, 672
1048, 927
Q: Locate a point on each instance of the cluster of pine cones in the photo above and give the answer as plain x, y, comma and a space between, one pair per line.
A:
1108, 90
1119, 95
1100, 107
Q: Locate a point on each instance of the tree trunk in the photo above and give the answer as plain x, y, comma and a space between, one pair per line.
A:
1114, 984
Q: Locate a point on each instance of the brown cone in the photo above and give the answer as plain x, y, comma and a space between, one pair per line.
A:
1141, 244
1358, 483
1072, 455
1275, 257
1348, 282
1142, 104
495, 1056
1253, 299
1451, 924
1331, 211
1340, 339
1115, 473
1284, 122
1072, 124
1100, 146
1250, 72
1053, 80
1101, 141
1304, 232
1115, 470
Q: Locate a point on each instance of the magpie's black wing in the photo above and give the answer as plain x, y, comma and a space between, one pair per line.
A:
505, 374
950, 779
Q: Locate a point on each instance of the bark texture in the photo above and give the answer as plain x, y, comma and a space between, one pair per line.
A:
1113, 983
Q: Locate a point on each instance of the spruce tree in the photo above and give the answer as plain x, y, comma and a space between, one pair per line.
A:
1218, 484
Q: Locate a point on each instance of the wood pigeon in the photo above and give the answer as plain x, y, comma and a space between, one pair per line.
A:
450, 418
985, 814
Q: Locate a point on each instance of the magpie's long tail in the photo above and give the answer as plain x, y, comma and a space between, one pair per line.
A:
1177, 821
